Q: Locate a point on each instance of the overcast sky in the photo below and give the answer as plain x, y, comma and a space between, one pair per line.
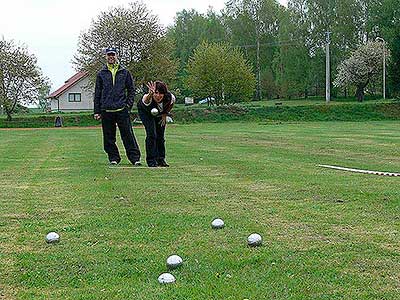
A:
51, 28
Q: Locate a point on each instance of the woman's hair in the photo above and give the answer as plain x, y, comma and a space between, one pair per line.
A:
161, 87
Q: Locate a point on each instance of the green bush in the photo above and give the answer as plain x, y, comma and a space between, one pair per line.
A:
345, 112
237, 112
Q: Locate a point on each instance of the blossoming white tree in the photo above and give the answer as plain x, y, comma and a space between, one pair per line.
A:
361, 68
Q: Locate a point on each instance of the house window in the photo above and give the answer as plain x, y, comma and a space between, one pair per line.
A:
74, 97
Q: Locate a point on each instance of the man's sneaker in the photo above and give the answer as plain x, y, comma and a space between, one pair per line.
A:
113, 163
163, 163
137, 163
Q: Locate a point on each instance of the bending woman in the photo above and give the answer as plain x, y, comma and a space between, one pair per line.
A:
161, 101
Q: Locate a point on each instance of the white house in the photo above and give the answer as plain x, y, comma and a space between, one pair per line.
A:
75, 95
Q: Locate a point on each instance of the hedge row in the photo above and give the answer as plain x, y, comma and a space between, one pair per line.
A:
341, 112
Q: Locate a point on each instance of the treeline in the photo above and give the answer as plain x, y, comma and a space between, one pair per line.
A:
251, 49
286, 46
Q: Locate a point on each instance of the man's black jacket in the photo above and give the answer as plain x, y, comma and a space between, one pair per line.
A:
109, 96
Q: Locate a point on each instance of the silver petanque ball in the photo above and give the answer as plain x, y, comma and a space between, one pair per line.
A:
52, 237
217, 224
154, 111
166, 278
174, 261
254, 240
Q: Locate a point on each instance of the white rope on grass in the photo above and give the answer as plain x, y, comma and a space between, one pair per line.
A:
360, 171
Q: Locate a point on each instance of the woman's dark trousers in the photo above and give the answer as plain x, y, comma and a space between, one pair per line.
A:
155, 140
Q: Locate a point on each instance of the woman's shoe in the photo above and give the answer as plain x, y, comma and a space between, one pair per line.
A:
163, 163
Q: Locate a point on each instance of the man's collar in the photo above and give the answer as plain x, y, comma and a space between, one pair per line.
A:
113, 66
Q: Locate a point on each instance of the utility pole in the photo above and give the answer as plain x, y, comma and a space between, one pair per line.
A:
258, 68
384, 65
384, 71
328, 69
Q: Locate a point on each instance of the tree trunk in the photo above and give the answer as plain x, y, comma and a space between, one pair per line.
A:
360, 93
9, 118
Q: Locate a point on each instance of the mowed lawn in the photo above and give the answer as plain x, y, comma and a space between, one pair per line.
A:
327, 234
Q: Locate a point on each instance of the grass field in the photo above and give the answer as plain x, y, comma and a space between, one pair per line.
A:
327, 234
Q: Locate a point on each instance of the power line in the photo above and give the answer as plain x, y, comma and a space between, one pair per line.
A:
277, 43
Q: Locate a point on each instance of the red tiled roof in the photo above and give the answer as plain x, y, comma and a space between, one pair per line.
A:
70, 82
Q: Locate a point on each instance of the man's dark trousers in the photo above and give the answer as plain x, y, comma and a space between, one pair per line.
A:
155, 140
109, 122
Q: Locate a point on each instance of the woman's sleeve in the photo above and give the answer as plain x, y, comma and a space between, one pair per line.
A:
143, 100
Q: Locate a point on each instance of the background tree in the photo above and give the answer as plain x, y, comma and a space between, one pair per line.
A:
139, 38
189, 31
292, 61
386, 24
343, 19
361, 68
286, 46
43, 101
21, 80
394, 66
220, 71
253, 26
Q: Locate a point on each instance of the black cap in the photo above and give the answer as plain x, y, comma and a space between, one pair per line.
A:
111, 50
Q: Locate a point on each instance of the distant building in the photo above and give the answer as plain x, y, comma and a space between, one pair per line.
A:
74, 95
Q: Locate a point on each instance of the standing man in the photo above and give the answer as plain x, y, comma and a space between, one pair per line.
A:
114, 94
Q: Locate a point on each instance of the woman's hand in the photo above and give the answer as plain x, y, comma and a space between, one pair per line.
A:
151, 86
163, 121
